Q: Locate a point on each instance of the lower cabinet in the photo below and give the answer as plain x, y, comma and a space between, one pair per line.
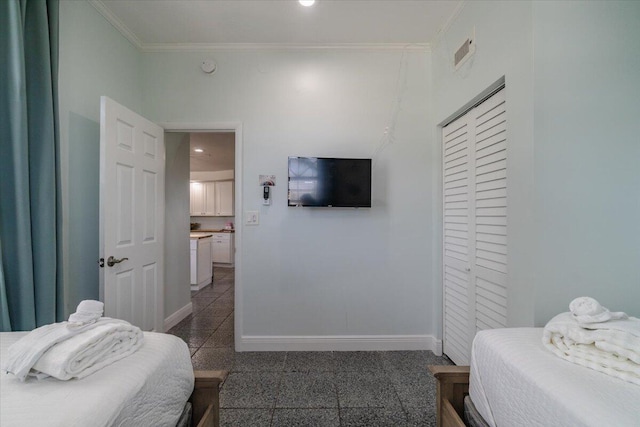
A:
223, 248
201, 262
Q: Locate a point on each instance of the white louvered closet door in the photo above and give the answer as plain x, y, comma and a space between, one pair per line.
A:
475, 226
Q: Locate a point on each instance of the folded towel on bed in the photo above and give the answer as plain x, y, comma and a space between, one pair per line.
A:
611, 347
90, 351
71, 350
587, 310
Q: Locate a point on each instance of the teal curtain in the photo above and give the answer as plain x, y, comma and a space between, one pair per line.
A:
30, 220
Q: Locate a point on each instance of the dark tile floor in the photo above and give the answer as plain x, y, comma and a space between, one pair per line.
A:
360, 388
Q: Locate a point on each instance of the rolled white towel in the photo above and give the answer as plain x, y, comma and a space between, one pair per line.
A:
51, 349
85, 353
586, 310
88, 311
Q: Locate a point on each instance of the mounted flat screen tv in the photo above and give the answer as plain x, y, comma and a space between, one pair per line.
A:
329, 182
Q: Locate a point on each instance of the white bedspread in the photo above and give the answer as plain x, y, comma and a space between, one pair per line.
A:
147, 388
515, 381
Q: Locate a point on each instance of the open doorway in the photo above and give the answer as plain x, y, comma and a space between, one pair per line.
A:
214, 181
211, 208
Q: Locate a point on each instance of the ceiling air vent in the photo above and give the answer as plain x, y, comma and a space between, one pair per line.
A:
465, 51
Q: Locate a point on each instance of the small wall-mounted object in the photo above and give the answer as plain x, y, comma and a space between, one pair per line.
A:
266, 195
465, 51
252, 217
208, 66
267, 181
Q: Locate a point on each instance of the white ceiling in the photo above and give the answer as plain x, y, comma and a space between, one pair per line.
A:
165, 24
218, 151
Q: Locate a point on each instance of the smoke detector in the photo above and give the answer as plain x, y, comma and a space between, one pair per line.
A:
208, 66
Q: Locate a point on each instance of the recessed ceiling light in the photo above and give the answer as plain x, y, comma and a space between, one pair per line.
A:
198, 150
307, 3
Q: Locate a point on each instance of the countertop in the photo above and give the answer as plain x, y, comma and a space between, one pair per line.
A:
199, 235
206, 230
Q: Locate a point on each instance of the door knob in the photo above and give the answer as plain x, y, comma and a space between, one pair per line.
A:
111, 261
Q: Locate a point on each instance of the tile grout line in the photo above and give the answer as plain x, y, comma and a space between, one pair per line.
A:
395, 390
335, 383
275, 400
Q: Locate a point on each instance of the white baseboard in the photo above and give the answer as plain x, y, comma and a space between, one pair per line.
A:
200, 285
178, 316
437, 347
340, 343
223, 265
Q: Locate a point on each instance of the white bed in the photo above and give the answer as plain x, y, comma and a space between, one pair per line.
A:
514, 381
148, 388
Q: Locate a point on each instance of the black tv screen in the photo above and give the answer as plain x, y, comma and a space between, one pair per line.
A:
329, 182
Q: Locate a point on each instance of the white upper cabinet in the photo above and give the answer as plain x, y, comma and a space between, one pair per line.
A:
224, 198
211, 198
197, 198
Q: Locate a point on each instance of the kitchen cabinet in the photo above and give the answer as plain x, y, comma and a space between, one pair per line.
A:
211, 198
201, 260
224, 198
223, 248
203, 198
196, 192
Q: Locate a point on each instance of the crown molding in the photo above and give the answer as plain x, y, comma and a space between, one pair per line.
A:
200, 47
117, 23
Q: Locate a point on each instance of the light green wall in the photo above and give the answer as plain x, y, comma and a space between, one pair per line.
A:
573, 92
176, 227
587, 154
320, 272
503, 37
95, 59
574, 184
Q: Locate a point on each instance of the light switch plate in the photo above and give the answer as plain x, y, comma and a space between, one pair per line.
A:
252, 217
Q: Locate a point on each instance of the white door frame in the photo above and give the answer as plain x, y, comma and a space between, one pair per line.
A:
236, 127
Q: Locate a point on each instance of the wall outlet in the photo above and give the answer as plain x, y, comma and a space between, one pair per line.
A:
252, 217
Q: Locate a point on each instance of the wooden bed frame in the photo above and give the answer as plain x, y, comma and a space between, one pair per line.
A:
205, 399
453, 386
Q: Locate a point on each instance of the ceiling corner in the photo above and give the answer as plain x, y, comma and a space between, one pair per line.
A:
117, 23
450, 20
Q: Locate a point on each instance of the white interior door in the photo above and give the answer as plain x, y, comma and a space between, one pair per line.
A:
475, 225
490, 213
132, 162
